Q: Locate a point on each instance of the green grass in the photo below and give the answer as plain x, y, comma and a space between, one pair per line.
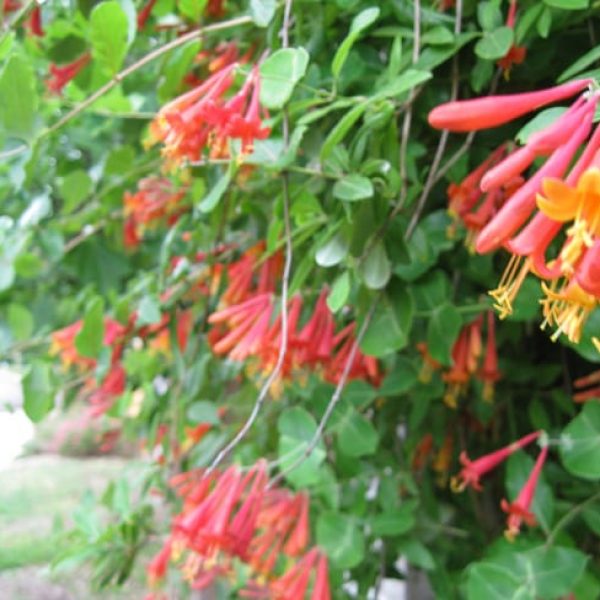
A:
36, 497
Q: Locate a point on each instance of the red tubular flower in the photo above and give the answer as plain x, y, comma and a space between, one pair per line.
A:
144, 14
157, 567
293, 585
593, 393
215, 8
60, 76
489, 373
519, 511
321, 589
491, 111
34, 22
472, 471
111, 388
9, 6
204, 118
519, 207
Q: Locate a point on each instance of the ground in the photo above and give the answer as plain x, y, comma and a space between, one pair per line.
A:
37, 498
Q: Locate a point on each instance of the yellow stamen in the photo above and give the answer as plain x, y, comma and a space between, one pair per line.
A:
510, 283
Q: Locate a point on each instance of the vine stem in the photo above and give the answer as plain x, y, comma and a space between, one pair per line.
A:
441, 147
285, 284
335, 398
567, 518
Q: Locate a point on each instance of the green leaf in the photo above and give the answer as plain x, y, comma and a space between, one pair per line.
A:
540, 122
339, 535
262, 11
351, 188
394, 522
20, 321
89, 340
192, 9
390, 325
580, 443
442, 330
356, 434
544, 573
375, 270
18, 98
337, 134
203, 411
568, 4
334, 251
109, 35
489, 15
582, 63
494, 44
149, 312
339, 292
361, 22
279, 75
38, 395
210, 201
403, 83
416, 554
75, 188
400, 379
297, 428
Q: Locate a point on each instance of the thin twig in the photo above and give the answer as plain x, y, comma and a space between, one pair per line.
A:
439, 153
283, 346
333, 401
406, 124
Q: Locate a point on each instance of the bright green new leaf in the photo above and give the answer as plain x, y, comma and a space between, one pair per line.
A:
20, 321
38, 395
375, 270
18, 98
193, 9
75, 188
89, 340
351, 188
361, 22
568, 4
262, 11
340, 290
495, 44
279, 75
109, 28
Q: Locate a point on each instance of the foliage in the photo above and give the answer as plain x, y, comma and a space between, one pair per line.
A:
230, 227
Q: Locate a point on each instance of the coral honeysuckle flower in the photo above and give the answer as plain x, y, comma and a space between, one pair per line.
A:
491, 111
60, 76
519, 511
215, 8
430, 365
519, 207
34, 22
489, 372
204, 118
110, 389
473, 470
157, 567
465, 356
579, 204
294, 584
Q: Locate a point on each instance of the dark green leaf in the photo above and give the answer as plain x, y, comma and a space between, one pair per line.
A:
279, 75
442, 331
580, 443
339, 535
351, 188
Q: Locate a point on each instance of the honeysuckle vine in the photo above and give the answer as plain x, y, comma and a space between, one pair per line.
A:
263, 245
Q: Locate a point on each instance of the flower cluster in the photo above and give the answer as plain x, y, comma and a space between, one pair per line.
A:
519, 510
102, 394
234, 517
248, 326
205, 118
155, 201
466, 354
592, 383
534, 214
